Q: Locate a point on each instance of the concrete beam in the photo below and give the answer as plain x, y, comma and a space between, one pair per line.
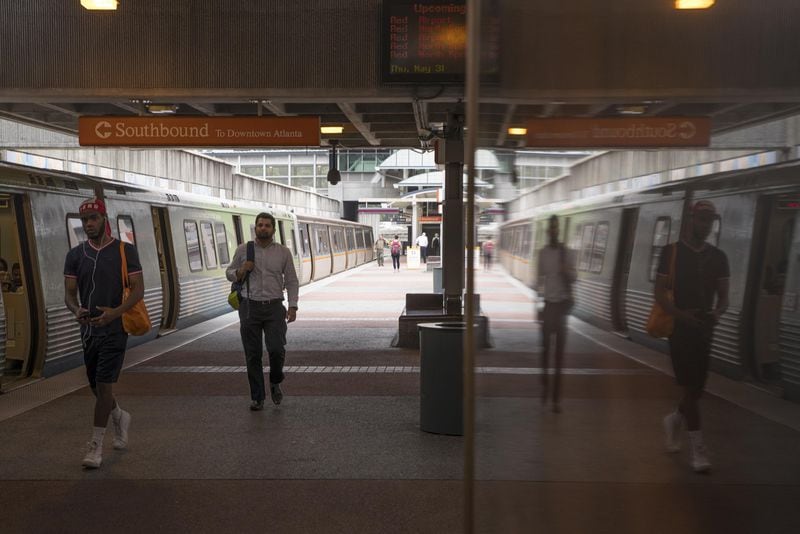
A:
355, 119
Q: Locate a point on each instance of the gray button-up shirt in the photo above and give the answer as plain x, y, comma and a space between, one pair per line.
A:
274, 271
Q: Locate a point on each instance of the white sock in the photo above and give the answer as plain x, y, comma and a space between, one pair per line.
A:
98, 433
116, 413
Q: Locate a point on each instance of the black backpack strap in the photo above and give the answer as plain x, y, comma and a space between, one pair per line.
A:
251, 256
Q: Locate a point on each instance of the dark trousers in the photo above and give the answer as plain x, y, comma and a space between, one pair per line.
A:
423, 252
396, 261
553, 323
267, 322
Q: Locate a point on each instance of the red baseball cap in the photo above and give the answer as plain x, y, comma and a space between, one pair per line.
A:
93, 204
704, 206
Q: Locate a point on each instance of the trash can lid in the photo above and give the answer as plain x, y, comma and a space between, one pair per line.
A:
449, 325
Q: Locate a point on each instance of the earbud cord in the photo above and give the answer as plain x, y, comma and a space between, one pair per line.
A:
85, 336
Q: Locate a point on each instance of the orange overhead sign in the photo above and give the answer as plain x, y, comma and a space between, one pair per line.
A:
643, 132
198, 131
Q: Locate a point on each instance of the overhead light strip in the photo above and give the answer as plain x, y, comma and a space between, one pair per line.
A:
98, 5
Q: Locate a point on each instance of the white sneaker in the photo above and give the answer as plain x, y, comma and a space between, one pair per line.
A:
672, 429
94, 455
121, 430
699, 454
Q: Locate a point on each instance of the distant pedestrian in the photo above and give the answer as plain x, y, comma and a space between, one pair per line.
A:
422, 242
701, 276
380, 244
93, 288
262, 316
488, 252
556, 274
434, 250
396, 247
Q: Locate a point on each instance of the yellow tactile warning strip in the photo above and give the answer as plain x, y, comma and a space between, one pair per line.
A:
380, 369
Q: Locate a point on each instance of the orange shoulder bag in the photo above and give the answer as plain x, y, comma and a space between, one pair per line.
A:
135, 321
660, 323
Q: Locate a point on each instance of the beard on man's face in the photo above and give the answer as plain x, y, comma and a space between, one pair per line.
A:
265, 233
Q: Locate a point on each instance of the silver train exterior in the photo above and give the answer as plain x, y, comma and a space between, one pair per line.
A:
184, 241
618, 240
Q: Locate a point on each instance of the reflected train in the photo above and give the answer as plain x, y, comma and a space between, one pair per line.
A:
618, 240
185, 243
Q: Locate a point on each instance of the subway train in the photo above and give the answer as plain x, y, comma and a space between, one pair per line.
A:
618, 239
184, 241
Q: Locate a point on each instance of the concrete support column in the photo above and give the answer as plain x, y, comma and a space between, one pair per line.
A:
414, 220
452, 239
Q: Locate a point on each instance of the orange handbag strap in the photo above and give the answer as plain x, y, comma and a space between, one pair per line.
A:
672, 267
125, 281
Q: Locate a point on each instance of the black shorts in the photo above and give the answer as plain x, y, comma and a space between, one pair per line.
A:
690, 350
103, 356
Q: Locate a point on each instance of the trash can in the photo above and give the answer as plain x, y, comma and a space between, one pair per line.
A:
437, 280
441, 348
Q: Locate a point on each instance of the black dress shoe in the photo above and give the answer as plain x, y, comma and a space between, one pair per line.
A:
276, 393
257, 405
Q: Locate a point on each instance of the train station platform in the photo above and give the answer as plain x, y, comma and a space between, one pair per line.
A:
344, 451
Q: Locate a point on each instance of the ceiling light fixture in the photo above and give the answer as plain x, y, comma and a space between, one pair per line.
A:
631, 110
517, 131
97, 5
331, 129
162, 109
693, 4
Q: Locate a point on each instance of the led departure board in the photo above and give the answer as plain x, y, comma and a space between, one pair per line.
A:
425, 42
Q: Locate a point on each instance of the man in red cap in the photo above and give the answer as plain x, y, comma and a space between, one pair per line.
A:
700, 297
93, 292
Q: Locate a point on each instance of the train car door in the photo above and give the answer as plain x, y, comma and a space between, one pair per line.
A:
773, 234
20, 324
622, 267
168, 270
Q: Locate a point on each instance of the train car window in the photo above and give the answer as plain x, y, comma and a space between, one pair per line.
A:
252, 232
716, 228
193, 245
371, 236
335, 239
305, 247
599, 247
125, 229
575, 240
526, 241
222, 244
351, 239
660, 239
541, 234
587, 238
321, 239
359, 239
209, 249
514, 239
75, 231
288, 238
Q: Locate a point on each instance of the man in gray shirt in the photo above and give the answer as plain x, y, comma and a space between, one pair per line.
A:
261, 311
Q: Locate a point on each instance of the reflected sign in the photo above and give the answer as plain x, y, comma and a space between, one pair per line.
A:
645, 132
425, 41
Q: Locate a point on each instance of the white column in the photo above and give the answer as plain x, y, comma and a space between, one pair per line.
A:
414, 221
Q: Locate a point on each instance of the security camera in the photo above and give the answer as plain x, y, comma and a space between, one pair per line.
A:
334, 177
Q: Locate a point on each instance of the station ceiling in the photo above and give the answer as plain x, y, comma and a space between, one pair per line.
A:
737, 64
402, 121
